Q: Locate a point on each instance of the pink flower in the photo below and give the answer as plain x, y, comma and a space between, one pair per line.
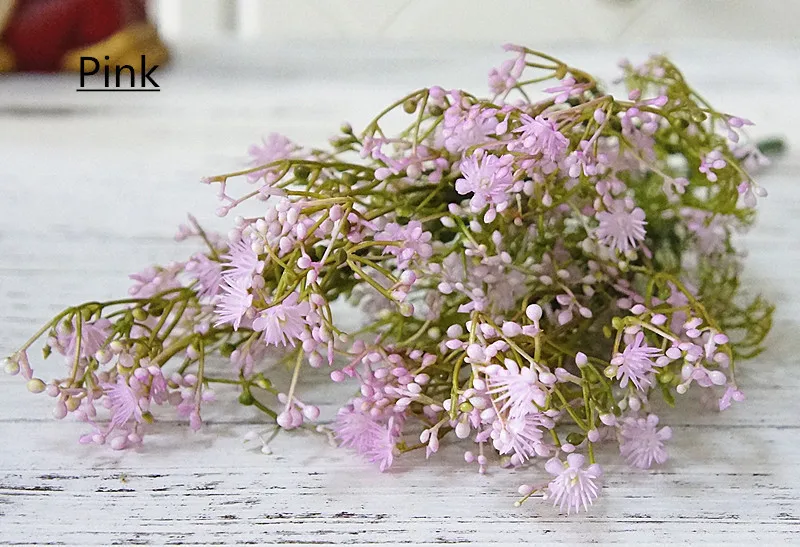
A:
506, 77
208, 274
573, 486
568, 88
517, 388
373, 147
488, 178
124, 402
234, 302
246, 356
241, 262
635, 363
709, 230
275, 147
711, 162
619, 228
521, 435
731, 394
159, 392
541, 136
373, 440
583, 160
413, 242
151, 281
672, 186
283, 322
94, 335
462, 129
641, 443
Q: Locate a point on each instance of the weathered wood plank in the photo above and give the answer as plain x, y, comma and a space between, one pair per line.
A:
93, 188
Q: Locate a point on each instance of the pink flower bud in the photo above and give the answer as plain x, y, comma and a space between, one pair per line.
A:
118, 443
608, 419
311, 412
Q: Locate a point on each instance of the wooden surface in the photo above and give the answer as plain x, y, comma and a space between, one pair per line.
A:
93, 185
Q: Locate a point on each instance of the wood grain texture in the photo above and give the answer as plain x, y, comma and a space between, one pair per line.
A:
92, 190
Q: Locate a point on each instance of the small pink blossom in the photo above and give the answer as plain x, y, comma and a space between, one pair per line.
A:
462, 129
711, 162
619, 228
488, 178
641, 443
234, 302
94, 334
673, 186
635, 363
581, 162
373, 440
275, 147
412, 239
540, 136
153, 280
208, 274
282, 323
709, 230
573, 486
567, 88
124, 402
505, 77
517, 389
731, 394
522, 436
241, 262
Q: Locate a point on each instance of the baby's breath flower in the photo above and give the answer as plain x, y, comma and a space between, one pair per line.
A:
642, 444
531, 272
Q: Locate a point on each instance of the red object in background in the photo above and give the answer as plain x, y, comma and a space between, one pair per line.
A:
40, 32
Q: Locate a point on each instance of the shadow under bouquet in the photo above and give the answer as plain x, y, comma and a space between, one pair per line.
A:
534, 269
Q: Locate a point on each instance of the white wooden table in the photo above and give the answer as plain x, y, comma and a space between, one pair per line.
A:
93, 186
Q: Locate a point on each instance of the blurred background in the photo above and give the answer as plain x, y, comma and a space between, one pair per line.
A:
476, 21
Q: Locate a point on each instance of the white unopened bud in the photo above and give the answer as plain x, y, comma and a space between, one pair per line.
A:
406, 309
35, 385
408, 277
534, 312
11, 366
717, 377
60, 410
103, 356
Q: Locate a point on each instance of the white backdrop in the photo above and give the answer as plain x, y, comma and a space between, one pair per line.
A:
528, 21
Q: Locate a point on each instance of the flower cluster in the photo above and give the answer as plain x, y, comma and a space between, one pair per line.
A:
532, 274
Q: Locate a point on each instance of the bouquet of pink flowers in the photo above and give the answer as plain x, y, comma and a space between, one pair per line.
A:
531, 273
